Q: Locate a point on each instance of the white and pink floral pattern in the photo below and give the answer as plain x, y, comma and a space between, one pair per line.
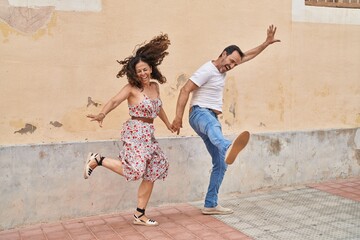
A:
141, 155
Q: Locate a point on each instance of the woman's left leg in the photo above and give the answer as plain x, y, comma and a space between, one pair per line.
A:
144, 193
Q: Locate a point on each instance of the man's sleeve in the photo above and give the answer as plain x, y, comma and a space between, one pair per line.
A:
201, 76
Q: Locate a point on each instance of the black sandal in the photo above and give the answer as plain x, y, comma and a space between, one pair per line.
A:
138, 221
87, 169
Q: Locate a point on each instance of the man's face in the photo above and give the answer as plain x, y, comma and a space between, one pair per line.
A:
228, 62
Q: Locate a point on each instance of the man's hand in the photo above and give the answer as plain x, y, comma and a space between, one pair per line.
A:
176, 125
270, 39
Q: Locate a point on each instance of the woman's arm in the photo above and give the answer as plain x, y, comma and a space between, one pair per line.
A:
162, 115
112, 104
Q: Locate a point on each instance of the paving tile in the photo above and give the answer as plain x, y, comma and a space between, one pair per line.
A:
49, 228
86, 236
113, 219
235, 235
183, 236
195, 227
34, 237
223, 229
94, 221
10, 235
102, 234
31, 232
58, 235
154, 233
134, 236
202, 233
73, 224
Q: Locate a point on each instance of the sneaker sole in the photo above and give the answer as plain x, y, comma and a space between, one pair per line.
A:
86, 164
217, 213
239, 144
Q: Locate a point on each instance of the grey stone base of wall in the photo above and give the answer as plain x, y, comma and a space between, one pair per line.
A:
44, 183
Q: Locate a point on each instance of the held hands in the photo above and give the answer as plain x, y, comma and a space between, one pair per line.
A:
170, 127
176, 125
270, 35
99, 118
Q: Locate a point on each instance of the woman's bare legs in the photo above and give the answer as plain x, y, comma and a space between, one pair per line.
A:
145, 188
144, 193
114, 165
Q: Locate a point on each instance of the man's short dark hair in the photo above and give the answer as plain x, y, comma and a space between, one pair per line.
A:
230, 49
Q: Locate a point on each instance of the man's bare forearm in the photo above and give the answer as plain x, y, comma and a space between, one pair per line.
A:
181, 103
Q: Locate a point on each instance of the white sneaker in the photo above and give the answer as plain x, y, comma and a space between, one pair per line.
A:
237, 145
218, 210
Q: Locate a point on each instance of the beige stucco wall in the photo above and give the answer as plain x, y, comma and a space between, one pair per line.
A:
308, 81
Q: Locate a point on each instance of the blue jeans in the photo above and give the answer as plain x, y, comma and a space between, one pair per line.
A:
206, 124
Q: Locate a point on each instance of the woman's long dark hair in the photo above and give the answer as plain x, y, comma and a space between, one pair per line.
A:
151, 53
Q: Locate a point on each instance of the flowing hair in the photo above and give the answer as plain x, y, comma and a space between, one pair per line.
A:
151, 53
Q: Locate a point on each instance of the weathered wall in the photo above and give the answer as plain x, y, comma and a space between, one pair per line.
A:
44, 183
58, 63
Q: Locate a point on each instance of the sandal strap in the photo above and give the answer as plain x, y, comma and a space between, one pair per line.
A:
99, 162
142, 211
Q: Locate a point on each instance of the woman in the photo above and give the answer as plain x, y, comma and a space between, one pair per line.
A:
141, 155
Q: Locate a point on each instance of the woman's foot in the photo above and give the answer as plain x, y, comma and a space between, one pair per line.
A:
92, 161
141, 219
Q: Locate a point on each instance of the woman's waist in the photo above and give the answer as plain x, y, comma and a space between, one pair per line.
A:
143, 119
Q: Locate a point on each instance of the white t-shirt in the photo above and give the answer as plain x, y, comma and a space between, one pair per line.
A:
211, 85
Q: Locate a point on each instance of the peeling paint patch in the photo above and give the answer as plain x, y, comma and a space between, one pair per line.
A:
29, 128
6, 30
321, 136
357, 118
16, 123
275, 171
357, 156
42, 154
91, 102
24, 19
275, 147
324, 92
230, 102
56, 124
227, 123
232, 109
63, 5
261, 124
180, 81
282, 102
357, 139
48, 30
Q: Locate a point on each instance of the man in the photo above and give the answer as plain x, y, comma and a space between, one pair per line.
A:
206, 86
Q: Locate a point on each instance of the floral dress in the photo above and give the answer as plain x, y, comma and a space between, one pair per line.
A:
141, 154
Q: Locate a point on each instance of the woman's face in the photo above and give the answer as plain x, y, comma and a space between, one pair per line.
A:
143, 72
